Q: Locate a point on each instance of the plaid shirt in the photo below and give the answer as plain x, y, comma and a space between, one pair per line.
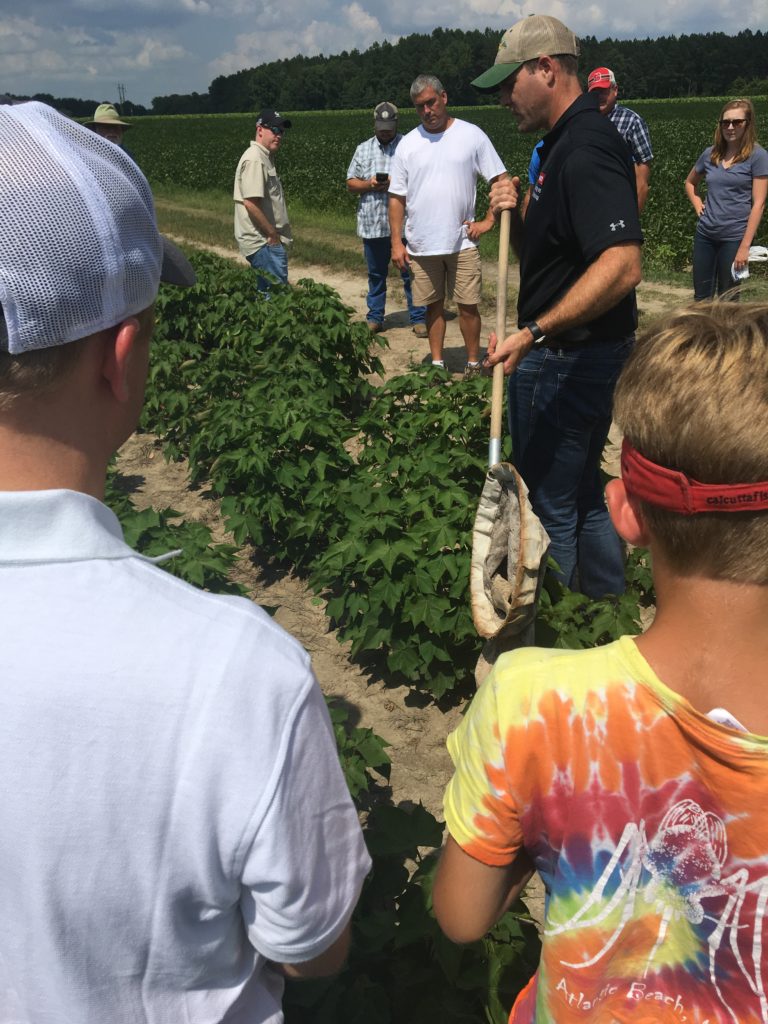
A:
370, 157
634, 129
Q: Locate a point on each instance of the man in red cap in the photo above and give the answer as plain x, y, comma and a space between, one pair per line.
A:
632, 127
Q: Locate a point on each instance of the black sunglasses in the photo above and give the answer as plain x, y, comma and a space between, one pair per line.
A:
736, 122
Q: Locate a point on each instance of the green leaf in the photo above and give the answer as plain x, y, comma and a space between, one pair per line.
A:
395, 830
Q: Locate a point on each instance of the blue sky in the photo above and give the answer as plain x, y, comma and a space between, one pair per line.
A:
84, 48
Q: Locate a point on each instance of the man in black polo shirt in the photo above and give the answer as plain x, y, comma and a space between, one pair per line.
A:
579, 250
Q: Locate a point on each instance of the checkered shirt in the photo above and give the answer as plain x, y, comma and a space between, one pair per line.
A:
370, 157
635, 131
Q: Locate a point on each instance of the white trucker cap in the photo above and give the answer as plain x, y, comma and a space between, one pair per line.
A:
79, 245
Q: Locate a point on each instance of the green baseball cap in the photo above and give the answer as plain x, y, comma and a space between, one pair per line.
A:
536, 36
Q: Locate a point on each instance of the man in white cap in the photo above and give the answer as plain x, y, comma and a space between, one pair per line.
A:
262, 229
579, 249
368, 178
175, 832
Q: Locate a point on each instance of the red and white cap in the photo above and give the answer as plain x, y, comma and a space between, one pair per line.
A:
676, 492
600, 78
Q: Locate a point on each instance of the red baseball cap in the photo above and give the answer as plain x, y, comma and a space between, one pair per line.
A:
600, 78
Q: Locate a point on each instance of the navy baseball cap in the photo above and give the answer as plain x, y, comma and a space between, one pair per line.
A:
271, 119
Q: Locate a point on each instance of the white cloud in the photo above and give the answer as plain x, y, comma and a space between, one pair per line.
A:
79, 47
152, 54
18, 35
481, 12
74, 60
137, 6
363, 23
358, 31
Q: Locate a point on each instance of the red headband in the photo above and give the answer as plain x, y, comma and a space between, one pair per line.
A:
676, 492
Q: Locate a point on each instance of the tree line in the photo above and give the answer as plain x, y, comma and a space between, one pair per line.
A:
708, 64
704, 64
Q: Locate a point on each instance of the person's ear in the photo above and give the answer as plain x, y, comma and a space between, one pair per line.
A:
546, 64
625, 514
119, 345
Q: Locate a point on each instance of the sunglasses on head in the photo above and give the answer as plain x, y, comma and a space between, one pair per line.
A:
735, 122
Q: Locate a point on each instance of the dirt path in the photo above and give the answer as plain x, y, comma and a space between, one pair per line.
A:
416, 732
404, 346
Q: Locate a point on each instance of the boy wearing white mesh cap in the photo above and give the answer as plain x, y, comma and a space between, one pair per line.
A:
175, 833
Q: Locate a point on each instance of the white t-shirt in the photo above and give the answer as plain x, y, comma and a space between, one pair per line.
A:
437, 174
172, 809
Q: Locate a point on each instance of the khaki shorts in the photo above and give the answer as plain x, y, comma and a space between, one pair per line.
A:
457, 273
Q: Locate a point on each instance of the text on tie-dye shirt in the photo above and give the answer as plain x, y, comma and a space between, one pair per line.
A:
648, 824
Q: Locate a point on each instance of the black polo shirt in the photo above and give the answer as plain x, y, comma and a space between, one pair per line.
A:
583, 202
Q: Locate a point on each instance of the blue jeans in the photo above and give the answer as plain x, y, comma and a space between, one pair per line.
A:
712, 262
560, 414
273, 259
378, 252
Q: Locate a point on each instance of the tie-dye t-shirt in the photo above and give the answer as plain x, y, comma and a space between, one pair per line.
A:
648, 824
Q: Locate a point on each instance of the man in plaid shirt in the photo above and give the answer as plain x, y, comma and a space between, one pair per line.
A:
630, 125
368, 178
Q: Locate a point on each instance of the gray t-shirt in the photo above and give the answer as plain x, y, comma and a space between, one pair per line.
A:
729, 194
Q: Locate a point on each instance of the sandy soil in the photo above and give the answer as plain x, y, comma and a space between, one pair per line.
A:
415, 731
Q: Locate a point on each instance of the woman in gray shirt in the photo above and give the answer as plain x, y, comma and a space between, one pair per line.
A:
735, 169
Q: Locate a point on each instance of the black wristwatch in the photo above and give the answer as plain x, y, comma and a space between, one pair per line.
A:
539, 337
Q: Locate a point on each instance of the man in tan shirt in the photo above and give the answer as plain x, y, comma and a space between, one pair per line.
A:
262, 230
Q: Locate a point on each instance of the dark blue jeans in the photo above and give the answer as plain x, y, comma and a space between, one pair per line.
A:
712, 262
378, 252
274, 260
560, 414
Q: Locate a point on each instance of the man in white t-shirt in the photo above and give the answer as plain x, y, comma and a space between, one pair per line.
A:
434, 178
175, 833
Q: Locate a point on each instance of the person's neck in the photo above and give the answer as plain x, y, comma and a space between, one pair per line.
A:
709, 643
35, 462
438, 131
564, 96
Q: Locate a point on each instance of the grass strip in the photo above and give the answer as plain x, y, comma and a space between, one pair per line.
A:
328, 239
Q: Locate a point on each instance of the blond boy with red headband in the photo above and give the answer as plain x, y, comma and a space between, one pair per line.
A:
634, 777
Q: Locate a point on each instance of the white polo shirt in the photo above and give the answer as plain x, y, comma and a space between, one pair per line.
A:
172, 810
